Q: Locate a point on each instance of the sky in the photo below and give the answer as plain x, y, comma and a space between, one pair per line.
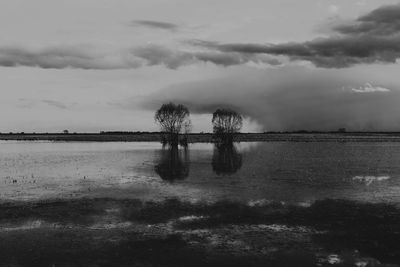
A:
95, 65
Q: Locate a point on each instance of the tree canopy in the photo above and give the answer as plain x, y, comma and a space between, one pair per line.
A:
172, 118
226, 121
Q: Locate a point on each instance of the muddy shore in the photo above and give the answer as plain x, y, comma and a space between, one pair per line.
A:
110, 232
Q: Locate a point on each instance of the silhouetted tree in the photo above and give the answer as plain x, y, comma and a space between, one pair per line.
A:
173, 163
226, 123
172, 119
226, 159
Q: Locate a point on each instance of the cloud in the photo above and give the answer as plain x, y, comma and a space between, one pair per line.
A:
367, 88
32, 103
60, 57
155, 24
159, 55
333, 9
291, 98
55, 103
76, 57
372, 38
25, 103
380, 22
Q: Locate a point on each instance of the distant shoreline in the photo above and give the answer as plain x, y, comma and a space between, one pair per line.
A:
207, 137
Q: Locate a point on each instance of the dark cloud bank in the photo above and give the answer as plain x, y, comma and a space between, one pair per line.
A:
292, 99
372, 38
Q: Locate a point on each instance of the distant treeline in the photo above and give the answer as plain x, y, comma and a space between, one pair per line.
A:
202, 133
209, 137
127, 132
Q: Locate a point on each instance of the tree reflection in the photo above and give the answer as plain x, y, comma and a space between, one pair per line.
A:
173, 163
226, 159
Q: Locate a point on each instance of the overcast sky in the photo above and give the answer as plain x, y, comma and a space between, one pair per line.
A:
91, 65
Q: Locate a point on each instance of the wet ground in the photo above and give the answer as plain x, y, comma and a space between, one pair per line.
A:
106, 232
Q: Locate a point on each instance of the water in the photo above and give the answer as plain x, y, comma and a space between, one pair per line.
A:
252, 172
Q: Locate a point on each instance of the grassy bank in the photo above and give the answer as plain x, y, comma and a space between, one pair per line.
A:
207, 137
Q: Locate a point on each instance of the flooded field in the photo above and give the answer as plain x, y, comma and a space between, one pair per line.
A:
259, 204
289, 172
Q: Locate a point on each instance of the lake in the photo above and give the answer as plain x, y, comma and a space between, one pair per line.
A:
290, 172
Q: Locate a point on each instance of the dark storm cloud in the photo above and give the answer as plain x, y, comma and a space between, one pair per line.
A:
372, 38
155, 24
291, 99
382, 21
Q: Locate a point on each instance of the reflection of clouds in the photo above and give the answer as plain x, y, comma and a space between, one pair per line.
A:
173, 164
29, 225
370, 179
201, 146
364, 262
247, 146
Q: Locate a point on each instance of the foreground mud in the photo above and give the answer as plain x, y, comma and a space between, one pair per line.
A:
108, 232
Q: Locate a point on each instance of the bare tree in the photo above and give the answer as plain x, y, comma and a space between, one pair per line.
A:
226, 123
172, 119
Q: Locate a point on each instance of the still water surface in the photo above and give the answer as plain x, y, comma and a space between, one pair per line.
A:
279, 171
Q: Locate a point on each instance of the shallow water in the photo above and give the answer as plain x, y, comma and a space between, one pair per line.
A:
251, 172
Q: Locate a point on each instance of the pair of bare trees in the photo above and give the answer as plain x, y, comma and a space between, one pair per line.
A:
175, 119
